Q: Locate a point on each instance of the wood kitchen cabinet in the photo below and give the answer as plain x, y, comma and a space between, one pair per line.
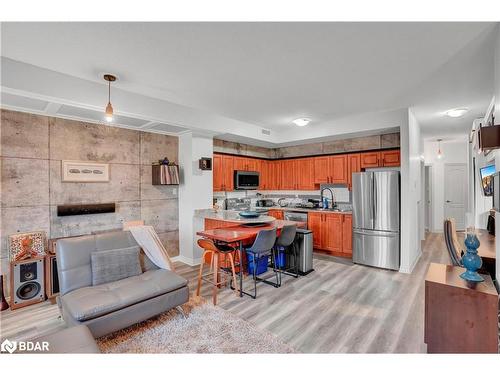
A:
347, 235
353, 166
370, 159
265, 178
288, 179
274, 172
304, 173
390, 158
223, 172
278, 214
314, 223
332, 232
240, 163
338, 169
321, 170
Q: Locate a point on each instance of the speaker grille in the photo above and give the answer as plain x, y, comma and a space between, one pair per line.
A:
28, 291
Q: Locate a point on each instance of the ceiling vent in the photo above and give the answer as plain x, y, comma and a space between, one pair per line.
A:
266, 131
23, 102
89, 114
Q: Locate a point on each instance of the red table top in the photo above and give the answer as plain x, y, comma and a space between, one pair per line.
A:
240, 233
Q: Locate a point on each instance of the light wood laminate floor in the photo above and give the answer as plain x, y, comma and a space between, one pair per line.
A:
340, 307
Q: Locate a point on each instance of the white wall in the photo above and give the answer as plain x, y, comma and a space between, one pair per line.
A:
453, 152
497, 115
195, 192
410, 192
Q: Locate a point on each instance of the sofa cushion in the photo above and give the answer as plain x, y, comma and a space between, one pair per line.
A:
94, 301
116, 264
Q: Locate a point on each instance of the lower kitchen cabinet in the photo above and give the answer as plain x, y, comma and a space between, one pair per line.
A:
332, 232
278, 214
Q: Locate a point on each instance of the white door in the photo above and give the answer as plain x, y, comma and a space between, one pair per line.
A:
455, 193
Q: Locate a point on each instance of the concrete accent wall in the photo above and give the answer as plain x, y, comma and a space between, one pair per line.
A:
32, 149
330, 147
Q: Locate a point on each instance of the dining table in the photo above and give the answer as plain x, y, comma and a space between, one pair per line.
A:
241, 234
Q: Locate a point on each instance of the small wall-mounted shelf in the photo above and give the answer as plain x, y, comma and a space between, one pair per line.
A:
165, 174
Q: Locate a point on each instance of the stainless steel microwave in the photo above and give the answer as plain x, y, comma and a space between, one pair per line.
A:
246, 180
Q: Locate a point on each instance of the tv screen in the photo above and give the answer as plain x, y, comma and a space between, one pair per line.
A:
486, 180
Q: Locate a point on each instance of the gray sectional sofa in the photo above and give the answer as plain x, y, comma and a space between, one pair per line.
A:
110, 306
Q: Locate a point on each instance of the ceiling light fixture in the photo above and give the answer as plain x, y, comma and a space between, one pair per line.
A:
440, 154
301, 121
109, 108
457, 112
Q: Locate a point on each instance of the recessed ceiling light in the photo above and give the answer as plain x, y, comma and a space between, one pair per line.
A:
457, 112
301, 121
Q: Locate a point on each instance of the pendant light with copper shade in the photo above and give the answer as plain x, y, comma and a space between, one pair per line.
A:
109, 108
440, 154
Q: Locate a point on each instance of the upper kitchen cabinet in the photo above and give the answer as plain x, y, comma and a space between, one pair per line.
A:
338, 169
274, 173
353, 166
288, 180
370, 159
390, 158
321, 170
240, 163
304, 172
217, 172
265, 178
223, 167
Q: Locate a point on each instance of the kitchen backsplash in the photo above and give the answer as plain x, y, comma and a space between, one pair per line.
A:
341, 194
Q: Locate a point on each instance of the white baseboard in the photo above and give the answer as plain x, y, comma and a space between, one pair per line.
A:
412, 266
186, 260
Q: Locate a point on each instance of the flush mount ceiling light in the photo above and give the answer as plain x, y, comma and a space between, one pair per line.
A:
440, 154
301, 121
109, 108
457, 112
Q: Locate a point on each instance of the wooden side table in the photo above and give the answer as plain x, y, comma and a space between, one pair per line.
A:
458, 318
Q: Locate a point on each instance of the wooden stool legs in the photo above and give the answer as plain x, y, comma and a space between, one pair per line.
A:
215, 265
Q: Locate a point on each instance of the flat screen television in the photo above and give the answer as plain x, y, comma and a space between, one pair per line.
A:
486, 179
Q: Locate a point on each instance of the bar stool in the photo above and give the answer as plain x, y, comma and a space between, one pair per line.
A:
263, 246
215, 251
284, 243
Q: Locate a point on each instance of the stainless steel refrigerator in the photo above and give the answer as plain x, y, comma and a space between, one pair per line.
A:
375, 211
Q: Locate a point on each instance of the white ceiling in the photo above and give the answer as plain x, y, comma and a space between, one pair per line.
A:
267, 74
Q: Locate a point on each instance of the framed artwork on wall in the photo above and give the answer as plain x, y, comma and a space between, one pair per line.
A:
82, 171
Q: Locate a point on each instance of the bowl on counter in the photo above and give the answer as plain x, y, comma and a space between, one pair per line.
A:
249, 214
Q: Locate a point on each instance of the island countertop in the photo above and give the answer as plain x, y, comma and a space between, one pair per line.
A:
231, 216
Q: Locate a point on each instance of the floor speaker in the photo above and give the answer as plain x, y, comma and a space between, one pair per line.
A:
51, 278
27, 282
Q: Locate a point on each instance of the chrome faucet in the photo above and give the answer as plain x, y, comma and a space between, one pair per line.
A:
331, 192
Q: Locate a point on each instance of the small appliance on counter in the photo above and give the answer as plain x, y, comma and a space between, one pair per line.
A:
264, 203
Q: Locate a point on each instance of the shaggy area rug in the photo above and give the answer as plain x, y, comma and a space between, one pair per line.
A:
206, 329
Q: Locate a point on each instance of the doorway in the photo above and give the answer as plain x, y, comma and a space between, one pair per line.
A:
455, 193
428, 198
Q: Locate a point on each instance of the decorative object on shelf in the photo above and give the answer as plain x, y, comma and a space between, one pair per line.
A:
82, 171
26, 245
4, 304
165, 161
165, 174
109, 108
471, 260
249, 214
205, 164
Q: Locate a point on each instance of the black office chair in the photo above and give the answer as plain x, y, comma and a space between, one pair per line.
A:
263, 246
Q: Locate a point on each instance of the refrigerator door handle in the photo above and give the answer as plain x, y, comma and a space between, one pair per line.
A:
375, 233
374, 185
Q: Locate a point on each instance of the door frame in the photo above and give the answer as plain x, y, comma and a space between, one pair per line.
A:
466, 192
429, 204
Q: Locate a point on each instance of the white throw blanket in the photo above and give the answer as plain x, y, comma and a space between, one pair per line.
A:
148, 239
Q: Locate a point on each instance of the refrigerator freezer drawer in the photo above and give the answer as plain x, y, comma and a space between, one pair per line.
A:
375, 248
